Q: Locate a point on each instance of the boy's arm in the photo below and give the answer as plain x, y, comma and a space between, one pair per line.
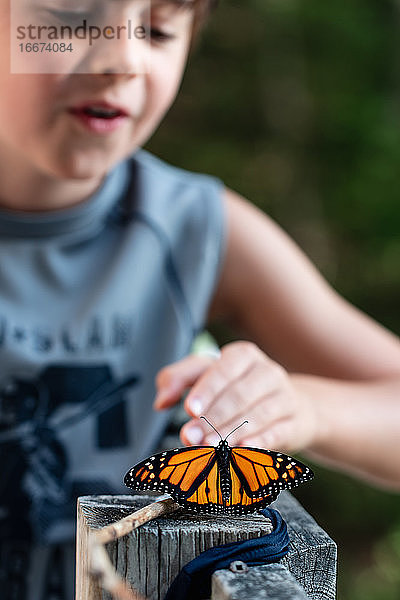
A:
342, 406
276, 298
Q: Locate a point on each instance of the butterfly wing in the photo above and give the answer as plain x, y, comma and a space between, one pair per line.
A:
180, 472
263, 472
192, 476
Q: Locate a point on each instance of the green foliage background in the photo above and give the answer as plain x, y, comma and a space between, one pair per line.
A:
296, 105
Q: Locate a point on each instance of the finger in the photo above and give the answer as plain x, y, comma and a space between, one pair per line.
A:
278, 437
260, 396
261, 416
192, 434
174, 379
236, 359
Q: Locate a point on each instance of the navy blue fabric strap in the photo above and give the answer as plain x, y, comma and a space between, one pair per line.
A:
194, 580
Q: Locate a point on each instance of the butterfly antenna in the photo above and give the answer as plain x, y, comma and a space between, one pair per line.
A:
236, 428
211, 426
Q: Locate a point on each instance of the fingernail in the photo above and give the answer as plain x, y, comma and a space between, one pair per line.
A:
212, 440
196, 406
159, 400
194, 434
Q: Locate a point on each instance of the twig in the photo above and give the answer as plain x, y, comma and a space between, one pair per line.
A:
127, 524
100, 567
103, 572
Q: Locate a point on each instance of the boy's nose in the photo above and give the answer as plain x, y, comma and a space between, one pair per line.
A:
119, 42
119, 56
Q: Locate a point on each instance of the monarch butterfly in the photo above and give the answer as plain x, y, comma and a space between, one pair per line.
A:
221, 479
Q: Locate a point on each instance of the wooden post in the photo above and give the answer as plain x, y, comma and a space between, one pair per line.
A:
308, 571
151, 556
269, 582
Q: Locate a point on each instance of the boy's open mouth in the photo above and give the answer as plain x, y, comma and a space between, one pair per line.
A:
100, 117
100, 111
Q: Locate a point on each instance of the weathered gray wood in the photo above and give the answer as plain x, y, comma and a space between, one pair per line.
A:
312, 558
269, 582
151, 557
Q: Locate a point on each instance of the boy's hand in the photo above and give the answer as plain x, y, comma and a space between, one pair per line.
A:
243, 384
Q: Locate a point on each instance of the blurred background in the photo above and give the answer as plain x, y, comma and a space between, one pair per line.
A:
296, 105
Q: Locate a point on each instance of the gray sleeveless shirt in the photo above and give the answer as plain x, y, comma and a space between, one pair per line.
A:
94, 300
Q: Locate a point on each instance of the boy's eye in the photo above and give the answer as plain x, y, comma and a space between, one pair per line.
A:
77, 18
158, 35
71, 17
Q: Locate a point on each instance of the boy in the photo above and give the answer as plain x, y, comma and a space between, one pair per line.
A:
110, 262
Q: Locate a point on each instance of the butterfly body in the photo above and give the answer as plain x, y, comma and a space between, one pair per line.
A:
223, 454
221, 479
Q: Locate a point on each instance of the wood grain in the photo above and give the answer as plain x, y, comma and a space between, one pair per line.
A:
150, 557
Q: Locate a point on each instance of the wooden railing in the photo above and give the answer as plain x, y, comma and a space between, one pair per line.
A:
151, 556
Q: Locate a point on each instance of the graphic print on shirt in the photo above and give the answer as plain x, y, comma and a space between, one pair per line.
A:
97, 335
35, 486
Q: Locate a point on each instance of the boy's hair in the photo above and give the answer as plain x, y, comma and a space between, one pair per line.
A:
202, 9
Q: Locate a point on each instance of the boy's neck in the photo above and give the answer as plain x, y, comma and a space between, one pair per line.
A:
22, 189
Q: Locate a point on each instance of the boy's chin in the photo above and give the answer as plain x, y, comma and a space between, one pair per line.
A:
83, 167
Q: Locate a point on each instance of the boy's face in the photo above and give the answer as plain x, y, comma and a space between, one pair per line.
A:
50, 122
